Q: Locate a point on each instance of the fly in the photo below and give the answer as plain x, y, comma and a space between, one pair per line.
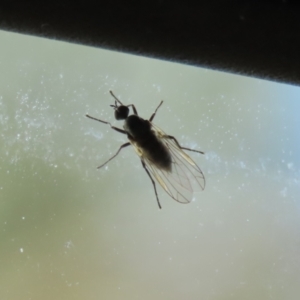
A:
161, 155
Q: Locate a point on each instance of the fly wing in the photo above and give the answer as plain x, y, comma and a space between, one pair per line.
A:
184, 171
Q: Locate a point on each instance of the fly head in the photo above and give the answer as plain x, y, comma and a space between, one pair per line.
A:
121, 111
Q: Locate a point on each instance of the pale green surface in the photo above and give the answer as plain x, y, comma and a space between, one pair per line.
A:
70, 231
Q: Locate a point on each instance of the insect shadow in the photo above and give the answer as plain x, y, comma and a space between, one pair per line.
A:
161, 155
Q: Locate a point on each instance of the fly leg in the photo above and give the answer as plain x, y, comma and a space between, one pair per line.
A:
176, 142
113, 127
116, 129
153, 182
133, 107
121, 147
153, 115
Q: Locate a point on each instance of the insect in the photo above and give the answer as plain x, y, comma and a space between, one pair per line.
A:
161, 155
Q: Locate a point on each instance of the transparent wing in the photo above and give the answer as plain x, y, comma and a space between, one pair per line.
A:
184, 174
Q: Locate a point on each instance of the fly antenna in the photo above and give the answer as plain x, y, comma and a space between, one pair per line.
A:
116, 99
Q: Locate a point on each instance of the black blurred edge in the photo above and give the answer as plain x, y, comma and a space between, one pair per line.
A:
253, 38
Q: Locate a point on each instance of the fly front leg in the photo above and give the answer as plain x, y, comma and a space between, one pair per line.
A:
132, 105
133, 108
176, 142
153, 115
104, 122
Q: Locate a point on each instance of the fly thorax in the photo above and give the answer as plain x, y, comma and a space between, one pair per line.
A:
136, 126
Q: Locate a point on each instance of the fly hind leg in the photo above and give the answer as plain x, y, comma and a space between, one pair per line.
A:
153, 182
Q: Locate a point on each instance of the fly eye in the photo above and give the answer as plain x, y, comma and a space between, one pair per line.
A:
122, 112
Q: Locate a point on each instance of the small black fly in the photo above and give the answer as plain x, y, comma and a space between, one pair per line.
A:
161, 155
